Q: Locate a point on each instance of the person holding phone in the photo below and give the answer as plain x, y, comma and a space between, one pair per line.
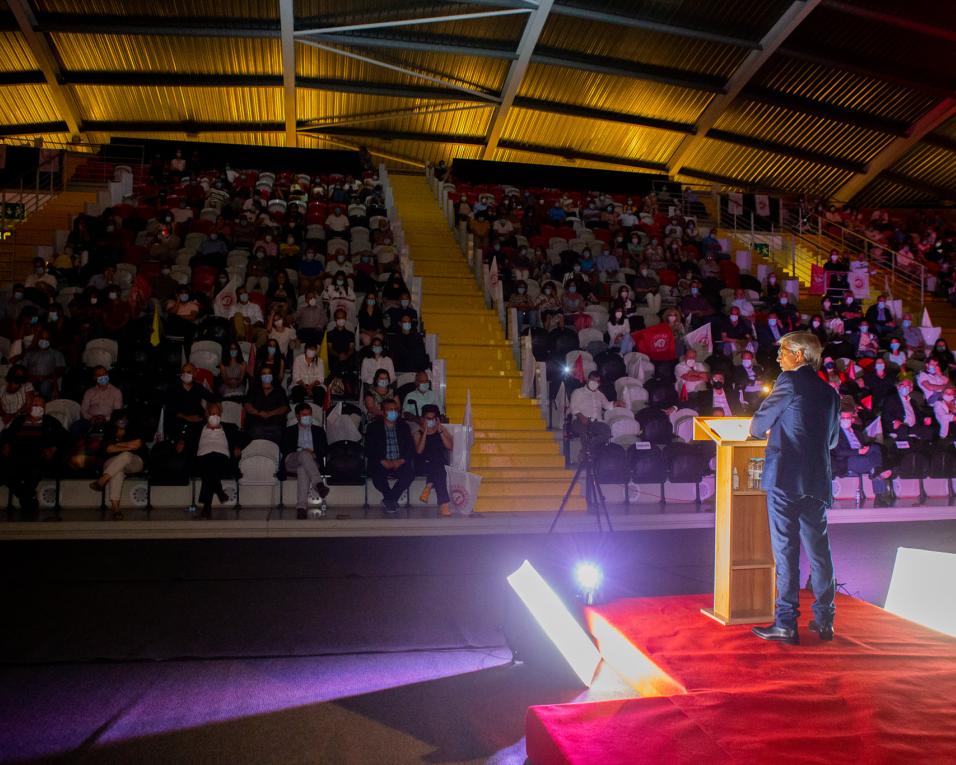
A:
432, 444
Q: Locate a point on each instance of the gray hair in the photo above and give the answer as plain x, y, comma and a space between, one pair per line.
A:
807, 343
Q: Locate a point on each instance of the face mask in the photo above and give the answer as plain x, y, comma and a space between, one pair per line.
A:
18, 295
880, 367
816, 323
718, 384
34, 320
214, 420
382, 382
833, 258
271, 350
521, 290
547, 292
573, 288
618, 315
940, 349
53, 316
44, 344
184, 298
829, 365
882, 303
773, 279
734, 318
864, 328
403, 303
849, 299
277, 323
694, 291
904, 392
313, 302
593, 385
784, 301
36, 412
340, 258
895, 346
340, 322
846, 421
907, 323
103, 380
406, 325
424, 387
186, 377
93, 301
771, 322
38, 270
432, 424
746, 363
122, 424
826, 305
234, 352
306, 420
266, 379
268, 237
391, 415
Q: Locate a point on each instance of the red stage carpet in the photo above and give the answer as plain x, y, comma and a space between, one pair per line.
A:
884, 691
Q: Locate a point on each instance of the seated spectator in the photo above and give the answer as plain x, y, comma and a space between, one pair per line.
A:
787, 314
618, 327
278, 329
768, 338
44, 365
311, 319
851, 312
308, 375
880, 381
16, 395
303, 448
818, 329
748, 381
98, 405
266, 408
735, 333
525, 307
40, 278
310, 268
717, 399
337, 223
339, 294
182, 314
31, 444
376, 361
857, 453
341, 342
185, 407
281, 297
217, 454
271, 356
696, 307
588, 404
691, 376
944, 412
743, 304
943, 356
123, 452
247, 320
932, 381
896, 355
390, 451
432, 444
549, 308
423, 395
377, 394
394, 314
232, 373
407, 348
912, 336
371, 320
880, 317
867, 344
903, 418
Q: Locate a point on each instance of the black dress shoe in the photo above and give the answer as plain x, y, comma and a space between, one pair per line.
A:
825, 631
778, 634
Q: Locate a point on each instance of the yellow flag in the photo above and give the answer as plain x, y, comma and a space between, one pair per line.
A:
324, 353
154, 338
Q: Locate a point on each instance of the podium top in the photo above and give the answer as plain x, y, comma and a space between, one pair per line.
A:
726, 431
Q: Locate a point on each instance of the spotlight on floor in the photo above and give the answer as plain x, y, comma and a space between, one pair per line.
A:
922, 589
588, 577
557, 623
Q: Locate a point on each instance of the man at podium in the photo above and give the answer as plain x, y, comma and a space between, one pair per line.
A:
802, 416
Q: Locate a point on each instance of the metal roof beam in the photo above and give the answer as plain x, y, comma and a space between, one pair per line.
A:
572, 110
516, 72
402, 69
453, 44
286, 27
28, 77
501, 3
32, 128
570, 154
891, 19
398, 135
922, 82
46, 59
170, 79
391, 24
940, 142
790, 19
594, 13
896, 148
729, 180
174, 26
786, 149
621, 68
182, 126
827, 111
917, 185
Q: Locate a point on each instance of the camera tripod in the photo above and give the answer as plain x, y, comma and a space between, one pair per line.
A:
593, 496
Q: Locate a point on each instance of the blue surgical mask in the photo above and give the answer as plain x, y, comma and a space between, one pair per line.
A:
44, 344
391, 415
431, 424
573, 288
907, 323
306, 419
403, 303
694, 291
406, 325
103, 379
376, 349
267, 379
423, 387
771, 322
233, 352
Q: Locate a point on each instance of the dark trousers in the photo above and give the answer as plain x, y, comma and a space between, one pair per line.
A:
435, 475
794, 520
22, 478
212, 469
403, 479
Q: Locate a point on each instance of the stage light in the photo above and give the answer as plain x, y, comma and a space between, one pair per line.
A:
567, 369
766, 389
589, 577
556, 621
922, 589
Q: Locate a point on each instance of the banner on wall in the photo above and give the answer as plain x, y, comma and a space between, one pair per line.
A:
762, 204
860, 285
735, 203
818, 280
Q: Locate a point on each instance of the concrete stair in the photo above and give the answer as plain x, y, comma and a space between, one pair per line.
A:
520, 462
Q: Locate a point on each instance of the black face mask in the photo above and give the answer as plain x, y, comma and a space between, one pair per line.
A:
718, 385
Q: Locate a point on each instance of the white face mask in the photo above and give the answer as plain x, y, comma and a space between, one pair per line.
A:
186, 377
36, 412
746, 363
214, 420
313, 301
309, 354
593, 385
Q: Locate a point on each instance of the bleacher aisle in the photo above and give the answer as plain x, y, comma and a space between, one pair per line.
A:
519, 461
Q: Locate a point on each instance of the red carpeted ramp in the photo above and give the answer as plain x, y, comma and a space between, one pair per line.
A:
884, 691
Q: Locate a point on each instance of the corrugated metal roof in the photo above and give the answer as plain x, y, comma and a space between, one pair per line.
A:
766, 169
144, 104
15, 54
930, 164
804, 130
193, 55
256, 139
245, 9
853, 91
623, 94
883, 192
947, 129
27, 104
529, 157
588, 135
595, 38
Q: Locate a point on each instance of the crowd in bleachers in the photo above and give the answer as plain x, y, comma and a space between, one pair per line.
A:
645, 320
215, 319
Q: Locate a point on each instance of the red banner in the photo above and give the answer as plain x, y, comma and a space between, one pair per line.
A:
818, 280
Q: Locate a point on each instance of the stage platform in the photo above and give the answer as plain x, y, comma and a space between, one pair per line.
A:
882, 692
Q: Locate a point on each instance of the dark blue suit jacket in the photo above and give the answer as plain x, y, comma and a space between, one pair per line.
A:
803, 417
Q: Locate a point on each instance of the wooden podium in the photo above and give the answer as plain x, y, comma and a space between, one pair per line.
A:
744, 571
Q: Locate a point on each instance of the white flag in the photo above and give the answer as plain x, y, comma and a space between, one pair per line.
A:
225, 303
762, 203
462, 489
860, 285
467, 421
700, 340
735, 203
926, 321
874, 429
493, 272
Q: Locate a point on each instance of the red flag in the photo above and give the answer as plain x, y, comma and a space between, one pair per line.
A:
657, 342
867, 402
578, 372
851, 370
818, 280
